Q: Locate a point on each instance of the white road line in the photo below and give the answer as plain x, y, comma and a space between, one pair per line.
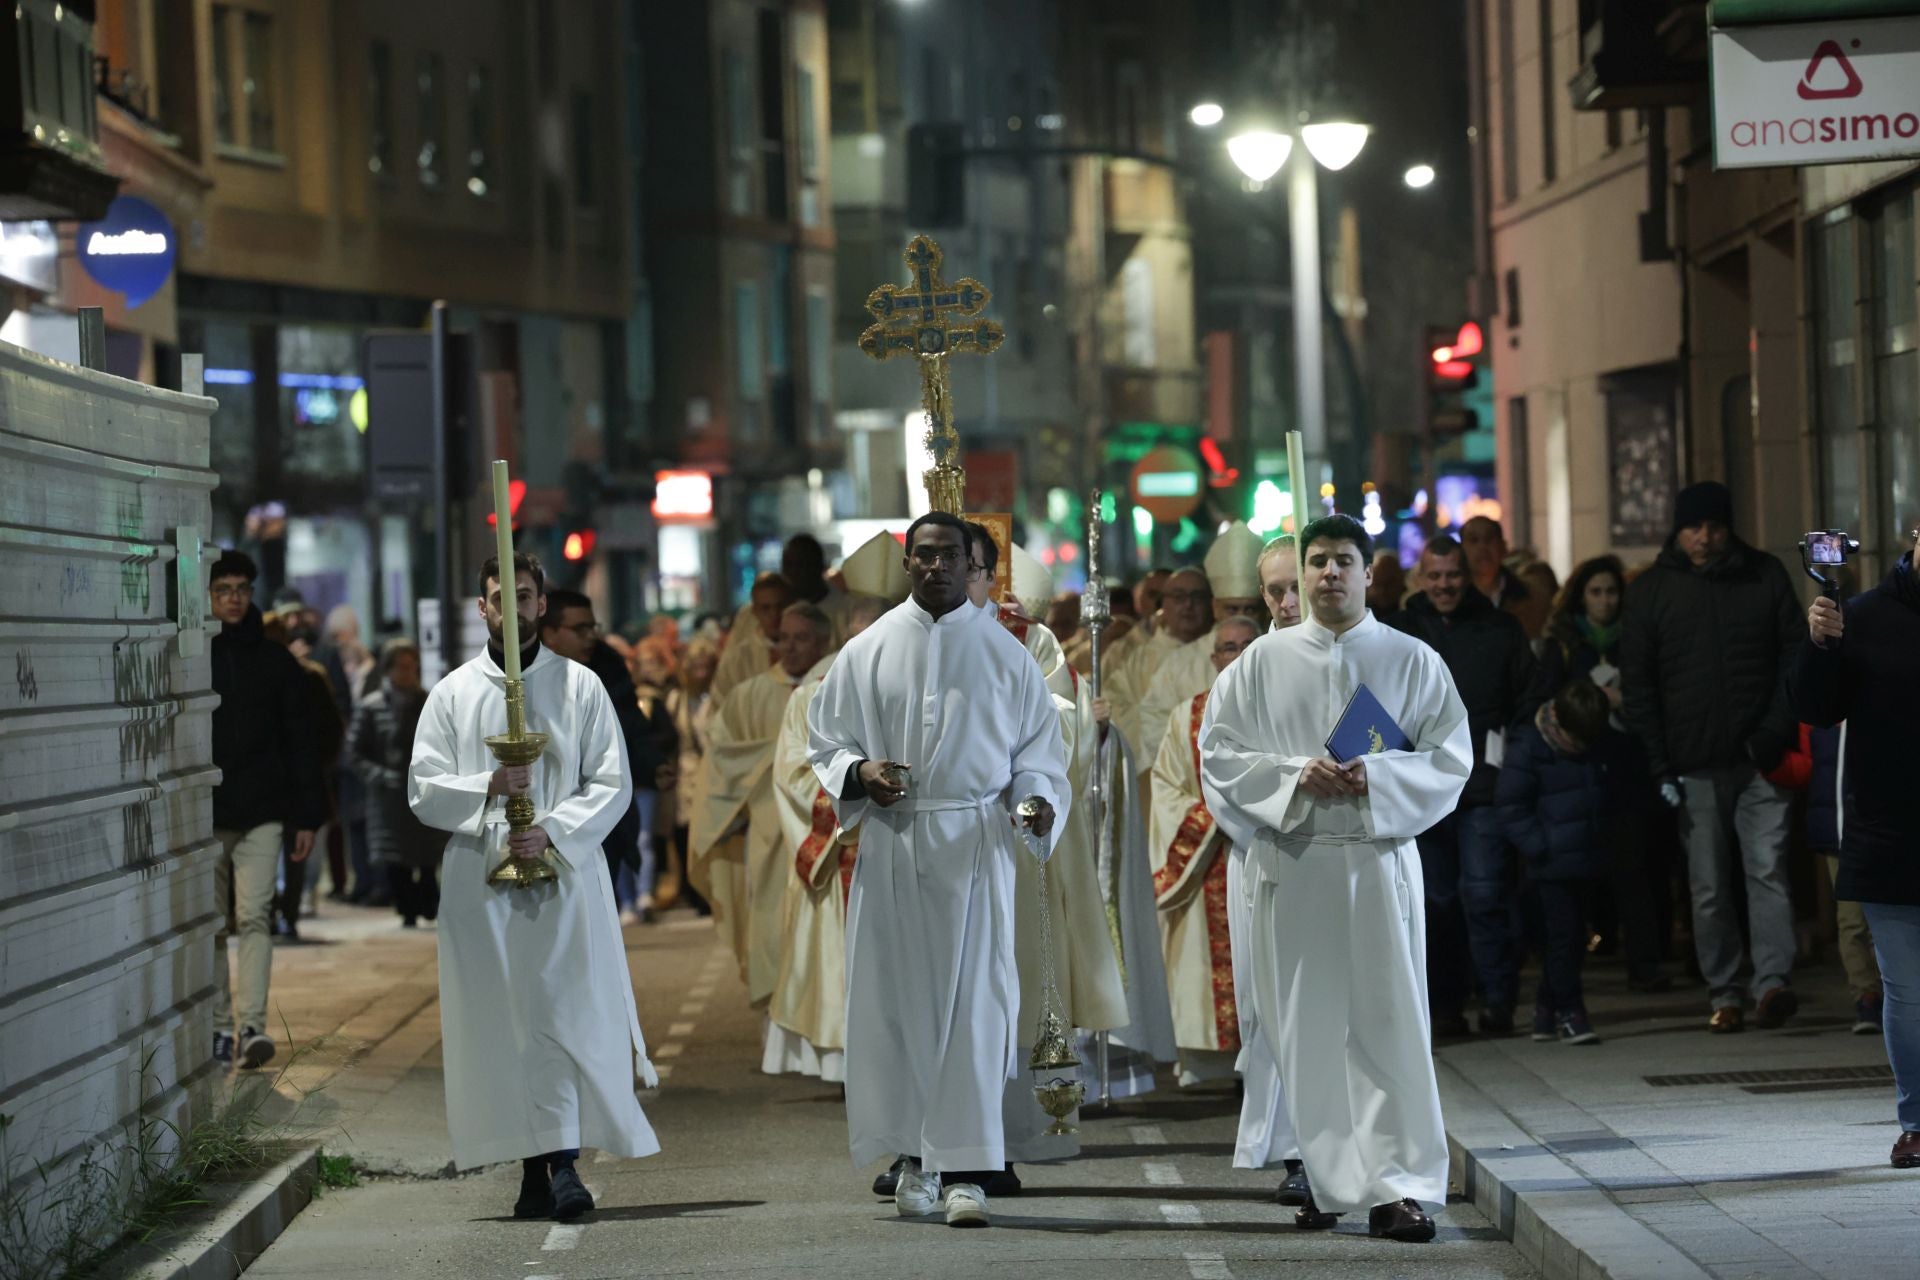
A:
562, 1236
699, 993
1208, 1266
694, 1007
1161, 1174
680, 1029
667, 1051
663, 1070
605, 1157
1148, 1135
1181, 1215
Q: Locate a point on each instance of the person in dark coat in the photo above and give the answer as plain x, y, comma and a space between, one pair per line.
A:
329, 743
1465, 861
1561, 792
263, 745
1860, 669
1711, 632
380, 745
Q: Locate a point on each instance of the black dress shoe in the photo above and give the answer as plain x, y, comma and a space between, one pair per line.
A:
883, 1186
570, 1199
1451, 1026
1906, 1151
1004, 1183
1402, 1220
536, 1195
1296, 1190
1496, 1022
1309, 1218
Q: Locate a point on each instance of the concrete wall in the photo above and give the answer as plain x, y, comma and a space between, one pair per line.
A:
107, 910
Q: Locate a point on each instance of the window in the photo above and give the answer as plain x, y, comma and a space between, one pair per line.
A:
1549, 89
1512, 280
380, 109
809, 128
479, 131
1509, 113
1834, 245
819, 346
746, 323
739, 108
430, 102
1896, 363
1613, 129
244, 80
584, 193
1641, 451
773, 64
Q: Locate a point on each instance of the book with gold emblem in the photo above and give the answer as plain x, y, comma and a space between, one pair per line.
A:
1365, 729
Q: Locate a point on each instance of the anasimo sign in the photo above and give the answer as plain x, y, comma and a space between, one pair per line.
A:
1816, 92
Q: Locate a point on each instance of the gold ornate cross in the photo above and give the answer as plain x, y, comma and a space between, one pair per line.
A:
931, 319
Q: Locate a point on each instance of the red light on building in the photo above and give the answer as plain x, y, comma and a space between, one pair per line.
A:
1220, 474
579, 544
1471, 341
516, 491
682, 495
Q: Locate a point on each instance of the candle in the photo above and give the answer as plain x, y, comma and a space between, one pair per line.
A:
509, 580
1297, 479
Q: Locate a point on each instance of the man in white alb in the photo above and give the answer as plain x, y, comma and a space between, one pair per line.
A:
931, 728
537, 1021
1337, 943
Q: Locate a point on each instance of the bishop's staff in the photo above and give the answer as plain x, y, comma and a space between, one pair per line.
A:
516, 745
1096, 611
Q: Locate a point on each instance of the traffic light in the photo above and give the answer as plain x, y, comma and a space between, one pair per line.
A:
1458, 380
936, 176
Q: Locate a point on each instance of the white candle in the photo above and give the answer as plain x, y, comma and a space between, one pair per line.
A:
509, 580
1297, 481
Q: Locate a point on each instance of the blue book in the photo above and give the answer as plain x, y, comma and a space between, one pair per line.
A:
1365, 729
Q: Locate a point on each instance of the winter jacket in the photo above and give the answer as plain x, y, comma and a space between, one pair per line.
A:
1492, 665
1866, 679
266, 741
381, 747
647, 748
1823, 791
1704, 657
1566, 813
1563, 658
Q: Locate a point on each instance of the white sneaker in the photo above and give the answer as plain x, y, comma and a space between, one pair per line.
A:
966, 1205
917, 1193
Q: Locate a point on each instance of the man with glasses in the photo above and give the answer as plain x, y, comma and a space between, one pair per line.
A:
269, 777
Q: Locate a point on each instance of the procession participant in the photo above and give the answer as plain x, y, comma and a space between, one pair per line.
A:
1190, 857
1337, 943
541, 1038
1032, 587
929, 729
983, 560
1233, 589
806, 1034
736, 836
749, 647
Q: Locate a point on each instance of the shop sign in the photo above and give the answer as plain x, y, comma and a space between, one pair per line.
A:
129, 251
1802, 93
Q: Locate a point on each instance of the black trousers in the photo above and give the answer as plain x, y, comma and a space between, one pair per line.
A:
1563, 943
416, 891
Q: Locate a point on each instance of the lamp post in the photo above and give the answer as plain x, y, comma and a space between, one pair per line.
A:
1259, 154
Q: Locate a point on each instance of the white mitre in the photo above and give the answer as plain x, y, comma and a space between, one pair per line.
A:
874, 569
1032, 584
1233, 563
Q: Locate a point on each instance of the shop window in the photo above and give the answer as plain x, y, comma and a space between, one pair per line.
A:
319, 376
245, 81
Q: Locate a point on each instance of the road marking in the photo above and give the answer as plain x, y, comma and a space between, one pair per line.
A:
663, 1070
601, 1157
1161, 1174
1148, 1135
699, 993
1208, 1266
562, 1237
1181, 1215
694, 1006
668, 1051
680, 1029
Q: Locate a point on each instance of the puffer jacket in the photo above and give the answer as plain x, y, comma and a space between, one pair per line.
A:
266, 741
1704, 658
1564, 813
1487, 652
381, 747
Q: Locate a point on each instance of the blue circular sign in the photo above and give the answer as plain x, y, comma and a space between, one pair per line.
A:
130, 250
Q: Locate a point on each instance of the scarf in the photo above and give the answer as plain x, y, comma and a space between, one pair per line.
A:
1601, 638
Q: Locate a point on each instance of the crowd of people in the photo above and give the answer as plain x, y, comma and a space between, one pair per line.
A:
1577, 761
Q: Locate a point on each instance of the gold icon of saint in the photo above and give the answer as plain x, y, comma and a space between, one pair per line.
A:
1375, 743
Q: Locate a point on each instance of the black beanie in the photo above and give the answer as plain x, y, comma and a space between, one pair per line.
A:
1708, 500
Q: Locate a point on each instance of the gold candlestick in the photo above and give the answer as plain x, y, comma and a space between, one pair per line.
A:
516, 746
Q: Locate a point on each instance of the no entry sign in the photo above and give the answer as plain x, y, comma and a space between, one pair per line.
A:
1816, 92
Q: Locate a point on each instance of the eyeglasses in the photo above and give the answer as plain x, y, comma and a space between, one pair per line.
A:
940, 557
1185, 597
232, 591
585, 630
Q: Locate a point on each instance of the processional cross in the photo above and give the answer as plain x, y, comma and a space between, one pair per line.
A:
930, 319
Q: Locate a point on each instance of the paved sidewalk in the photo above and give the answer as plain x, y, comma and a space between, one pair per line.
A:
1668, 1151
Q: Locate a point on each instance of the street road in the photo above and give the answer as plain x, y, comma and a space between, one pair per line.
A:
754, 1179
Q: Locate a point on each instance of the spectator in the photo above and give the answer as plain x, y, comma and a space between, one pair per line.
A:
1389, 586
1542, 587
1859, 669
1709, 635
1469, 890
328, 745
380, 745
353, 674
1485, 544
269, 783
690, 704
1560, 791
1582, 641
654, 671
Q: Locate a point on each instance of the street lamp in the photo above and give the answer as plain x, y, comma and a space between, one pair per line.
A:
1421, 175
1259, 153
1335, 144
1207, 114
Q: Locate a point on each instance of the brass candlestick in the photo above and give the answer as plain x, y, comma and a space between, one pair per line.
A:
517, 746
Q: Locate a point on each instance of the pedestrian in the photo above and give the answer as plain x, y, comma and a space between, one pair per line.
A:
353, 673
1485, 545
654, 669
1388, 591
1560, 792
690, 704
328, 741
1333, 875
1823, 826
1710, 633
380, 745
540, 1036
1582, 641
1859, 669
933, 773
749, 644
1469, 873
269, 784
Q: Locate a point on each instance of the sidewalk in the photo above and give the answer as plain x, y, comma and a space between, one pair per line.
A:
1667, 1151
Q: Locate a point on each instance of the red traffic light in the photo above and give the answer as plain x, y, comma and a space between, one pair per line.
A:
579, 544
516, 490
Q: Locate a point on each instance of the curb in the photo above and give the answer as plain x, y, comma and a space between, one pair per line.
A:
248, 1217
1563, 1224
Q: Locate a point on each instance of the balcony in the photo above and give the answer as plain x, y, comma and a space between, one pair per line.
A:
1636, 54
51, 165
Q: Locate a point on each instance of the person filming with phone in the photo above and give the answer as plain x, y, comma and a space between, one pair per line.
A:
1859, 669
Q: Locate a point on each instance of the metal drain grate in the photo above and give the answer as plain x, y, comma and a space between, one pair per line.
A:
1787, 1076
1815, 1086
